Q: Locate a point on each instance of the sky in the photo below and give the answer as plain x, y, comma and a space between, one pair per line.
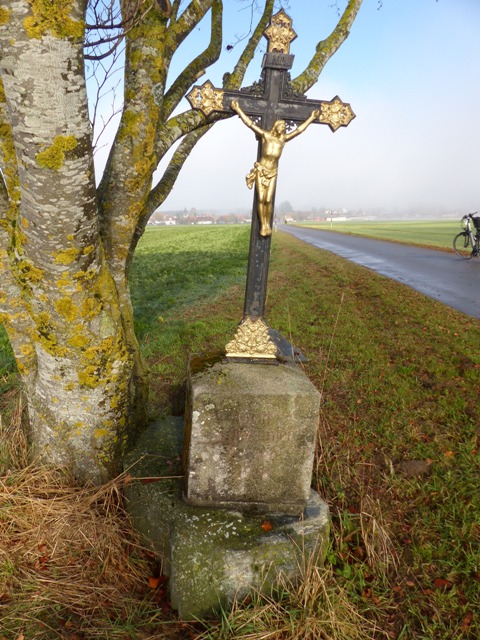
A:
411, 72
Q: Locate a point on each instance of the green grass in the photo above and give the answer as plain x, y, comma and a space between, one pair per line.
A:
438, 234
174, 267
398, 379
399, 376
176, 271
7, 363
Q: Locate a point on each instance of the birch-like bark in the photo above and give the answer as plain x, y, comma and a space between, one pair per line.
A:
78, 380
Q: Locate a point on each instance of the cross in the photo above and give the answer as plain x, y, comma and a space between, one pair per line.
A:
262, 105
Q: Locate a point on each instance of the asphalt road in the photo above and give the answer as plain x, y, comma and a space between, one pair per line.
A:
438, 274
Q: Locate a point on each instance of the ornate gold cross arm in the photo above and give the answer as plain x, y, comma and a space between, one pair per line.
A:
336, 114
206, 98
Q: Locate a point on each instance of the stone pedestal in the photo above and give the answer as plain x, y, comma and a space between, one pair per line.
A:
213, 556
250, 440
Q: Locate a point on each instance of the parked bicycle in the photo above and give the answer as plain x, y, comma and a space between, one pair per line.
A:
466, 244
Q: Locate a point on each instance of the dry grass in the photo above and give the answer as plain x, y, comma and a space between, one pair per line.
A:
68, 557
13, 441
314, 608
71, 566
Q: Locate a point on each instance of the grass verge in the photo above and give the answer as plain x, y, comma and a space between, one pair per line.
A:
397, 460
434, 234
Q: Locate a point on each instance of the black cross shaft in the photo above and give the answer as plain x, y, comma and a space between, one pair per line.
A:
271, 104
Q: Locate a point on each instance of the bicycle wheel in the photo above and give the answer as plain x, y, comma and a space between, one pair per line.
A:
463, 246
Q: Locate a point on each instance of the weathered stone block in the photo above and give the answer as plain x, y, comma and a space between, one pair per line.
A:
213, 555
251, 438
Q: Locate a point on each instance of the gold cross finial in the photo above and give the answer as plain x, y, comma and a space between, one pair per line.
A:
280, 33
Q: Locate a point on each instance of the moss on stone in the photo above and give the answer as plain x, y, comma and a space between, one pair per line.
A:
53, 156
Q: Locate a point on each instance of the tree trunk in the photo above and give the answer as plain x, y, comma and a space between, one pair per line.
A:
80, 363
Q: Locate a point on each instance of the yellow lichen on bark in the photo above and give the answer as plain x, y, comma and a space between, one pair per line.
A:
45, 335
53, 156
130, 124
53, 16
28, 273
98, 362
66, 256
4, 16
66, 308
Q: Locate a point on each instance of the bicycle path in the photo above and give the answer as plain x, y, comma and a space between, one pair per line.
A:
438, 274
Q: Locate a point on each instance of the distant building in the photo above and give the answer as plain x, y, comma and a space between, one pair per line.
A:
204, 220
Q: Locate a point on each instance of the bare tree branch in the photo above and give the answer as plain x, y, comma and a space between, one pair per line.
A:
326, 48
208, 57
233, 80
179, 30
164, 186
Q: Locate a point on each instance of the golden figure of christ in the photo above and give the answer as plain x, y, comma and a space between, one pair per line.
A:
264, 172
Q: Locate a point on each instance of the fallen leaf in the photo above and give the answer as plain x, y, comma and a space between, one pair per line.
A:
467, 621
153, 582
448, 454
442, 584
359, 553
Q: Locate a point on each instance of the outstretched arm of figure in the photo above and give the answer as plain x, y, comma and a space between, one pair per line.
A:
301, 127
236, 107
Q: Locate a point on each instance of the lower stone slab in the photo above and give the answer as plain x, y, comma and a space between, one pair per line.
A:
213, 556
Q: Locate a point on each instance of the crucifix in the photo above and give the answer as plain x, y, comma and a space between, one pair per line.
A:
271, 108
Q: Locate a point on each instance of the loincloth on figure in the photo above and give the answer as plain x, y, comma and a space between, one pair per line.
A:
265, 175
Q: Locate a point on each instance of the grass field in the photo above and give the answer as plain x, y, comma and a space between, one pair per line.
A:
397, 457
437, 234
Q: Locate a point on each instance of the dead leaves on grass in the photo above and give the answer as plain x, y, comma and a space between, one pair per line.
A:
65, 547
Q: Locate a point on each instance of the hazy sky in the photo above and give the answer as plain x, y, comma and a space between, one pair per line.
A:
411, 72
